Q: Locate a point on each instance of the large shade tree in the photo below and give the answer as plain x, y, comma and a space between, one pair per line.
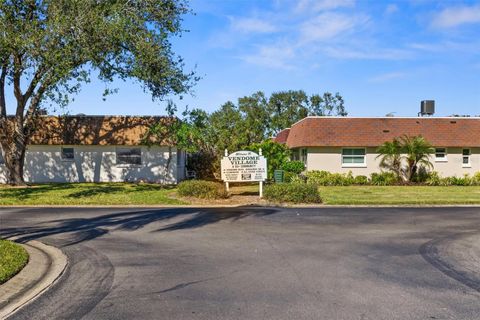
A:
48, 48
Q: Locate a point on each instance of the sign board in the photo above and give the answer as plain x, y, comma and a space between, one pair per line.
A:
244, 166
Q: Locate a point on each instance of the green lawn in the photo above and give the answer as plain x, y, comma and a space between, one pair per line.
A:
153, 194
13, 258
399, 195
89, 194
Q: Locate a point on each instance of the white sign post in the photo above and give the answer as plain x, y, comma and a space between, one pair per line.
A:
244, 166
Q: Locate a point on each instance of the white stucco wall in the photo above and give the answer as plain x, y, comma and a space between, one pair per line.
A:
97, 164
330, 159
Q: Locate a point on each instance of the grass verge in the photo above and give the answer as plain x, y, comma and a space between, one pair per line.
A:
400, 195
13, 257
89, 194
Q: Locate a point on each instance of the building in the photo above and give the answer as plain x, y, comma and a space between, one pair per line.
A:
99, 149
342, 144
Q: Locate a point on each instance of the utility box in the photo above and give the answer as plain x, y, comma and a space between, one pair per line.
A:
278, 176
427, 107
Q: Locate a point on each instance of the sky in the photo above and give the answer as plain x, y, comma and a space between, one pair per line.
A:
381, 56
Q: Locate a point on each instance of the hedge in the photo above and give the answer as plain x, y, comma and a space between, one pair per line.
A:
292, 192
202, 189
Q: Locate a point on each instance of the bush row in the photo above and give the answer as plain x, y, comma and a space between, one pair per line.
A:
325, 178
292, 192
283, 192
202, 189
434, 179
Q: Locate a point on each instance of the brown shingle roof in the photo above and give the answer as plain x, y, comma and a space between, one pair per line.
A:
282, 136
372, 132
94, 130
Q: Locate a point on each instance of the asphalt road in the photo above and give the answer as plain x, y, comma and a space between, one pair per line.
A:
257, 263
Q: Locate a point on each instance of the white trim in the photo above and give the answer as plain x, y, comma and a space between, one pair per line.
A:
383, 117
354, 165
445, 159
469, 164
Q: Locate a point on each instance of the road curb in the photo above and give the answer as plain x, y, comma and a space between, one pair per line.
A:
45, 265
253, 205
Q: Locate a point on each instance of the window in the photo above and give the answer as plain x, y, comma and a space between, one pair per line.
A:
295, 156
129, 156
440, 154
466, 158
303, 156
68, 154
353, 157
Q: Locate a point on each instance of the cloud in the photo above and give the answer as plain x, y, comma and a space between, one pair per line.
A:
322, 5
274, 56
470, 47
371, 53
328, 25
387, 76
252, 25
456, 16
391, 9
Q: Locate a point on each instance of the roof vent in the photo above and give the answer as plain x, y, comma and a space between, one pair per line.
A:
427, 108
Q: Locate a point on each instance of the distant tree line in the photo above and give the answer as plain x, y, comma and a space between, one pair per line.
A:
249, 122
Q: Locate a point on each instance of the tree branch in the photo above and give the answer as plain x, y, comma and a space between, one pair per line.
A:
17, 90
34, 103
33, 84
3, 107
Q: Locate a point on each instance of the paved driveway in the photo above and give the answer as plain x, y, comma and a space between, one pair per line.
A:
257, 263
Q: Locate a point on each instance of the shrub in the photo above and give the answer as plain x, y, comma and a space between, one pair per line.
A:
294, 167
289, 176
298, 178
360, 180
325, 178
383, 179
466, 180
292, 192
422, 175
317, 177
434, 179
202, 189
276, 153
476, 179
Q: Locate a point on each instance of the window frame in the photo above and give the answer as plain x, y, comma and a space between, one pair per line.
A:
445, 153
65, 158
295, 155
303, 156
118, 161
469, 156
354, 165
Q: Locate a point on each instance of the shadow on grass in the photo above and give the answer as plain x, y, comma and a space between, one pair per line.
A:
24, 193
78, 190
78, 230
98, 189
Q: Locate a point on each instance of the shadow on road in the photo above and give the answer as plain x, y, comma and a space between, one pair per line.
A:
84, 229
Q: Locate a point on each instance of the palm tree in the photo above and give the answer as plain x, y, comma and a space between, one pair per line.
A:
390, 153
416, 151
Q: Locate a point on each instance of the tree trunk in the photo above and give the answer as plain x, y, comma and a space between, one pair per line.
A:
14, 155
413, 172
